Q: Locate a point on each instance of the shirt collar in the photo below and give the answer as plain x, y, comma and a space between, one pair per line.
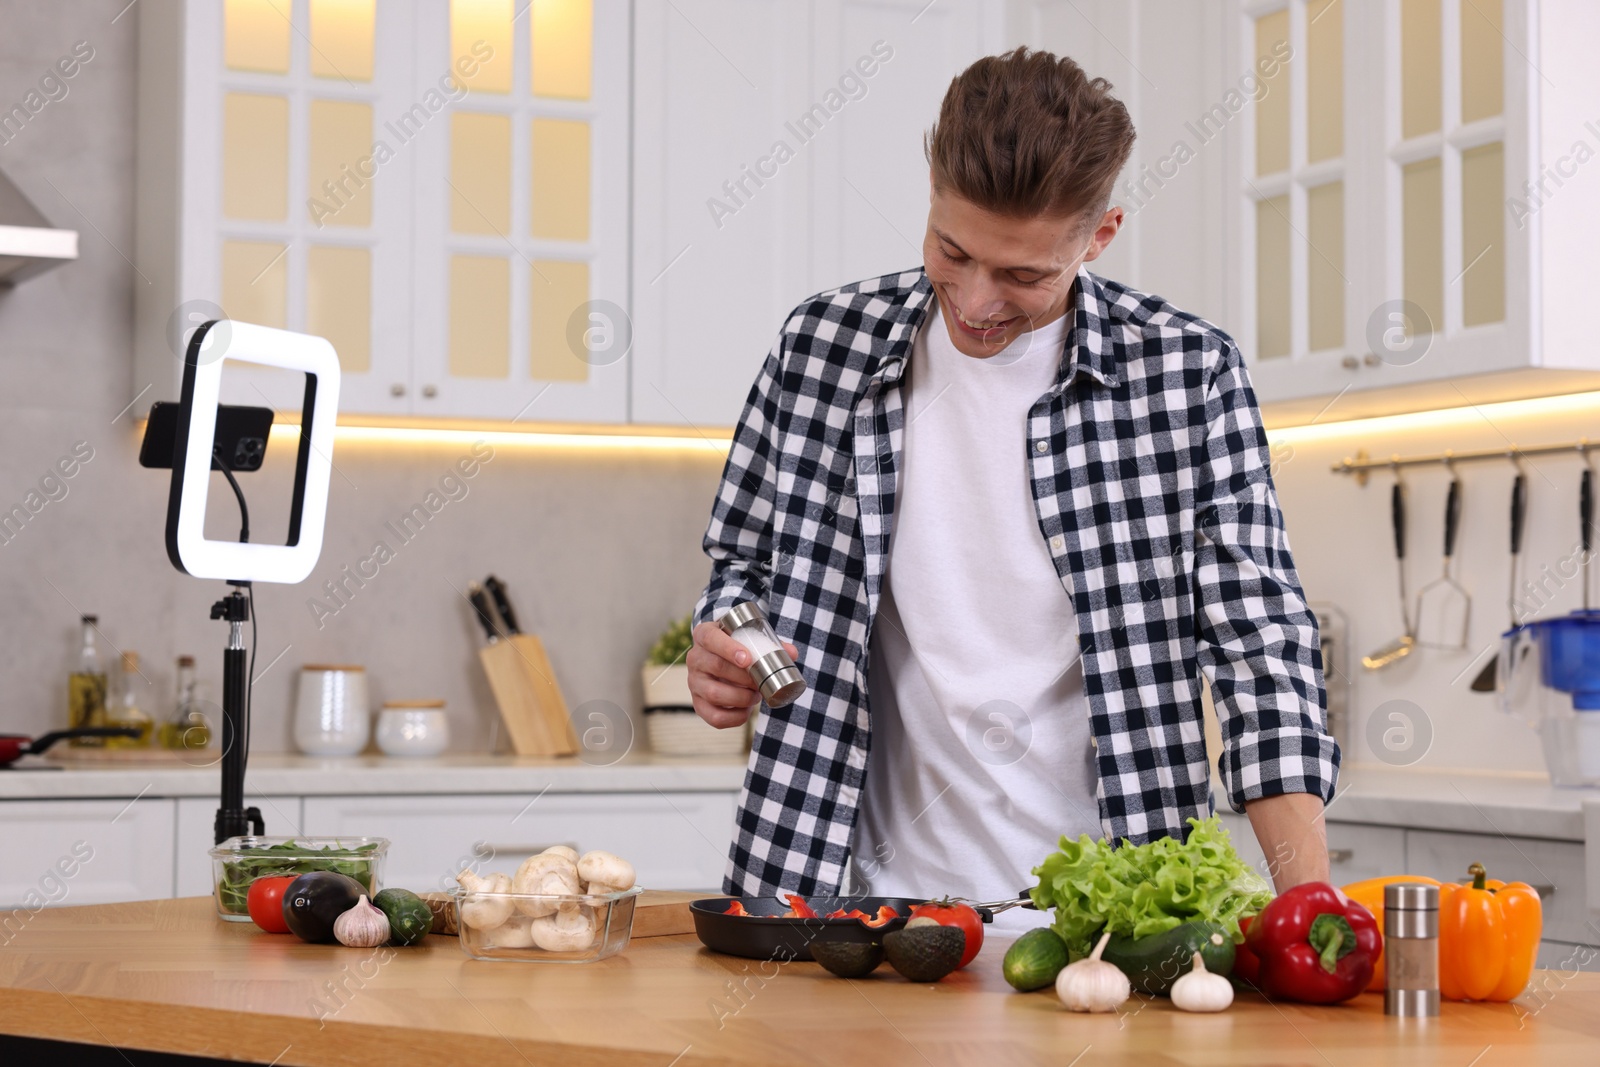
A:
1089, 348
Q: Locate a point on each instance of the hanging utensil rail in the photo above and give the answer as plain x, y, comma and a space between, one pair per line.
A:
1361, 464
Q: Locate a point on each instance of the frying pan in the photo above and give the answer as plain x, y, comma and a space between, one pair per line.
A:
765, 934
14, 746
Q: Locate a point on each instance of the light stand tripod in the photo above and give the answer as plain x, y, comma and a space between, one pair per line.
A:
233, 818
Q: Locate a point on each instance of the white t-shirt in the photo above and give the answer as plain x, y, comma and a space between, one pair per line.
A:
981, 750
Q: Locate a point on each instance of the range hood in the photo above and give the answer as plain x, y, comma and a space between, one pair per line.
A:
28, 243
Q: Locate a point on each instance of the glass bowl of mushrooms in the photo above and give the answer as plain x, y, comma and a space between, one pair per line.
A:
559, 907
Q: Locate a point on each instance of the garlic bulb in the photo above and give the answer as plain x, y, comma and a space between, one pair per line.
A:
363, 926
1200, 990
1092, 984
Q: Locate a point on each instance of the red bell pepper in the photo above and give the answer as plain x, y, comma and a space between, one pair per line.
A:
885, 913
736, 908
798, 908
1246, 968
853, 913
1314, 945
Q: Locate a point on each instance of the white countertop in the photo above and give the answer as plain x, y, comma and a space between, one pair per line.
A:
1464, 801
290, 775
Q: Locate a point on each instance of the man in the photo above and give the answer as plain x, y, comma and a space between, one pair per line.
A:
1009, 513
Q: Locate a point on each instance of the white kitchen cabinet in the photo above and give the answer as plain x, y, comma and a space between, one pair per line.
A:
1555, 868
674, 840
1380, 236
777, 153
402, 179
196, 834
69, 852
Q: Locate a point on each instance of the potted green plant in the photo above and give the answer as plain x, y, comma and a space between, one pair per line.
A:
669, 719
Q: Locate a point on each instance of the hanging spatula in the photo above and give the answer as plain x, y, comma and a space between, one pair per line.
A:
1402, 646
1487, 678
1444, 607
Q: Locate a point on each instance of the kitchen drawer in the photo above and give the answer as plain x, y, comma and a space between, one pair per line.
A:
83, 852
674, 840
1556, 867
1355, 850
197, 833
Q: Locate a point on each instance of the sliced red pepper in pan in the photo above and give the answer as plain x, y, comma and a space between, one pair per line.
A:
853, 913
798, 908
736, 908
885, 913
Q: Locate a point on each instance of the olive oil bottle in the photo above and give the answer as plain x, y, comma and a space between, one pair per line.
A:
86, 688
124, 707
186, 728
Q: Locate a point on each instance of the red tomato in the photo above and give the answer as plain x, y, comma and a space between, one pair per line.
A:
266, 903
962, 916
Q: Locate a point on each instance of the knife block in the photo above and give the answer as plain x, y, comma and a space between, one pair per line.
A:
529, 699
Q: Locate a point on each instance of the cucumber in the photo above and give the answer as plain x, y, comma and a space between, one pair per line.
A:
1034, 959
409, 916
1153, 963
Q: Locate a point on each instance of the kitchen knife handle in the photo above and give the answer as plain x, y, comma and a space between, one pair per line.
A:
502, 603
1519, 507
1452, 517
1586, 508
481, 608
1397, 513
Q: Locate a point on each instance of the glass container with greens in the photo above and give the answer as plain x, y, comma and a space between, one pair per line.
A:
239, 861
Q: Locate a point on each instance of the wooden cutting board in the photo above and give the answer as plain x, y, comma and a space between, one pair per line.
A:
657, 913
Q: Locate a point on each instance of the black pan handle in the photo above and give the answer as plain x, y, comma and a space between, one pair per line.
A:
1586, 509
1519, 509
1397, 514
39, 744
1452, 517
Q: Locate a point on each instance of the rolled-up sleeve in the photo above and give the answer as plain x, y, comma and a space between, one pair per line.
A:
1257, 639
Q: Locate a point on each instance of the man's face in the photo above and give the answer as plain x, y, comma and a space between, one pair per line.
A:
998, 277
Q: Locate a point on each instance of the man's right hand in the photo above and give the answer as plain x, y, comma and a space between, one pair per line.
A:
719, 677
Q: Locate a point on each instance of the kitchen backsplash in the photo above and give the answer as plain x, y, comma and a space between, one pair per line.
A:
600, 548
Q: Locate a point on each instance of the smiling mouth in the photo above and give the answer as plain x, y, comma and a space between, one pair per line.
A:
981, 329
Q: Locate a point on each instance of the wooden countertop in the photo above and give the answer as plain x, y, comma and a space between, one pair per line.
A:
168, 976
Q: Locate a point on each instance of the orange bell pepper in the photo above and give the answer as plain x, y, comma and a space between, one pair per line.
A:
1369, 894
1488, 937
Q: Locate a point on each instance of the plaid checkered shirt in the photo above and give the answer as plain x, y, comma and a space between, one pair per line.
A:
1150, 477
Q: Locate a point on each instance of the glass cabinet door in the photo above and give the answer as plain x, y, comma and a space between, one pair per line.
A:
520, 263
312, 197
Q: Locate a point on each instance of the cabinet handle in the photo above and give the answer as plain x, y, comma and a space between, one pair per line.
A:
397, 389
1371, 359
1350, 363
526, 850
430, 391
1341, 855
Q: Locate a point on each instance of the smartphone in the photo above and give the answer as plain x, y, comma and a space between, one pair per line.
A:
240, 441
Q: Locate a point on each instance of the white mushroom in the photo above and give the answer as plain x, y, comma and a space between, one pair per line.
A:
484, 913
562, 850
547, 874
517, 932
604, 873
570, 929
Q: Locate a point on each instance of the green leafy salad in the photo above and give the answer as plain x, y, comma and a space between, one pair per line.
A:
1140, 890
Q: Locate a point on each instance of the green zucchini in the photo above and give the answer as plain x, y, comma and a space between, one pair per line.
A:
409, 916
1153, 963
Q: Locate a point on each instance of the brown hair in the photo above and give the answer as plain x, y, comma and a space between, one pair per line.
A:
1028, 133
